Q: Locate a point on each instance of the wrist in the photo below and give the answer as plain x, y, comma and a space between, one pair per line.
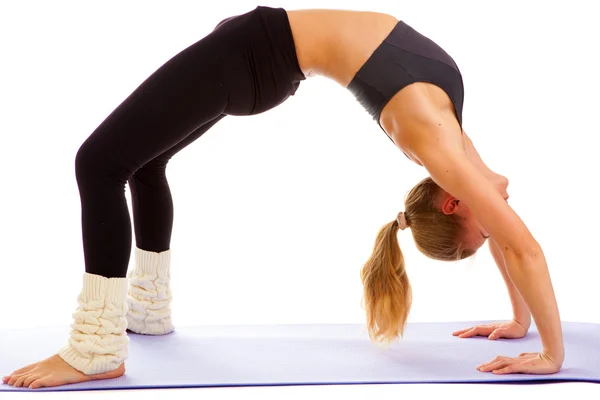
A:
556, 356
523, 321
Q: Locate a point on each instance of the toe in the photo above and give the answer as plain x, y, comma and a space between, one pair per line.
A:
13, 379
38, 383
19, 381
29, 380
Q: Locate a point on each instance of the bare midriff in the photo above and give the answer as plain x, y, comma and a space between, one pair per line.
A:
336, 43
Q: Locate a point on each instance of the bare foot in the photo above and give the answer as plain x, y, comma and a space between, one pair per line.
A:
54, 371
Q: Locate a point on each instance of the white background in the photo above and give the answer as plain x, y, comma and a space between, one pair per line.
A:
275, 214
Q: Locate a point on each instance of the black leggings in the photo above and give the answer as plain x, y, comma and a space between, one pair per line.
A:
246, 66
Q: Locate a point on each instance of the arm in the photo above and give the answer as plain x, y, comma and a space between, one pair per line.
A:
521, 314
436, 142
521, 321
520, 311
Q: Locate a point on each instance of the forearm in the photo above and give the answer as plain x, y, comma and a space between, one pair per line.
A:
532, 279
520, 310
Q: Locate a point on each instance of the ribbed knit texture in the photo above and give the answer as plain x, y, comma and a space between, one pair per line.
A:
98, 341
149, 295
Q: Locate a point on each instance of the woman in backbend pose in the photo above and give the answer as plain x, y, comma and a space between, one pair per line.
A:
249, 64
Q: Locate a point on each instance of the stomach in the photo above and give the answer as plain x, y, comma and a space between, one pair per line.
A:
336, 43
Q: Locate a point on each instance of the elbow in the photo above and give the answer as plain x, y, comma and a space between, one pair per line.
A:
522, 247
525, 264
529, 250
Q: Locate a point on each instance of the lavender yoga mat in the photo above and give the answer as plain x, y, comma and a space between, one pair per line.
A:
274, 355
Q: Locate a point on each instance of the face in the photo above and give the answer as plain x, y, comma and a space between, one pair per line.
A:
475, 235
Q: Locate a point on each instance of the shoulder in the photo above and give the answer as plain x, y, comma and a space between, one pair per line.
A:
421, 115
430, 134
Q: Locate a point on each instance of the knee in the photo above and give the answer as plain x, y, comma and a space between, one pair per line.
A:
152, 172
87, 162
94, 163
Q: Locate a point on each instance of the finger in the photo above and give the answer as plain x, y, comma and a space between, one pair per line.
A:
510, 369
498, 358
485, 326
456, 333
467, 329
493, 366
497, 334
477, 331
497, 362
468, 333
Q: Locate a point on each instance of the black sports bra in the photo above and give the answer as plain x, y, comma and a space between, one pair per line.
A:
405, 57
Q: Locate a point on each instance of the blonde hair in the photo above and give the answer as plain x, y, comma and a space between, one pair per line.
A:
387, 292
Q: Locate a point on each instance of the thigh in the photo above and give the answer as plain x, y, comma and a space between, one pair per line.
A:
166, 156
172, 105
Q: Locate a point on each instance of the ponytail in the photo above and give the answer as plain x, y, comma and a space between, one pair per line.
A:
387, 292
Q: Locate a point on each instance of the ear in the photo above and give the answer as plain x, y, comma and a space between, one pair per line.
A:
450, 204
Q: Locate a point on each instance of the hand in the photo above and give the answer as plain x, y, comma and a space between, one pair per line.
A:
525, 363
509, 330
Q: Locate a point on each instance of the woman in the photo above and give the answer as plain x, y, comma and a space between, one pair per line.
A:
247, 65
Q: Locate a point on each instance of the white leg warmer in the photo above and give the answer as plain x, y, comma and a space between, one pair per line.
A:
98, 341
149, 296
